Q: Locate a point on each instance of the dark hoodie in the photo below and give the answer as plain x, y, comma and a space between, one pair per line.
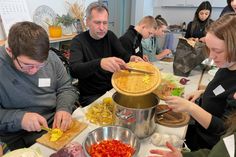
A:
198, 32
131, 41
227, 9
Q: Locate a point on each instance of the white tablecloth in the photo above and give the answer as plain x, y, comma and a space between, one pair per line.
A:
145, 143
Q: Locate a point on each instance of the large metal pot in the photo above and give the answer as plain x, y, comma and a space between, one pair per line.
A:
136, 113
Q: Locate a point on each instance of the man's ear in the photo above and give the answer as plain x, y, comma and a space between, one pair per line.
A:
87, 22
9, 51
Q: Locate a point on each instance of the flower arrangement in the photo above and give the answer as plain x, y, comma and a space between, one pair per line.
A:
53, 22
66, 20
54, 27
77, 10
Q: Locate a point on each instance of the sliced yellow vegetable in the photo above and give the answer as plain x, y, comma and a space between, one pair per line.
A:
146, 79
55, 134
101, 113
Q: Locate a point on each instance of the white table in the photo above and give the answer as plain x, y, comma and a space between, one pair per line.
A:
79, 114
194, 77
145, 143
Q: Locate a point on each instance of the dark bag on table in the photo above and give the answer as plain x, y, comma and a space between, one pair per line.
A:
188, 57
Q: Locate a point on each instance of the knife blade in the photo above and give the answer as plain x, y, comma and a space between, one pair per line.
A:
46, 129
138, 70
163, 111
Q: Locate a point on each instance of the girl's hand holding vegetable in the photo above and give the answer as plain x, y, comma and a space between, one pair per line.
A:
174, 152
178, 104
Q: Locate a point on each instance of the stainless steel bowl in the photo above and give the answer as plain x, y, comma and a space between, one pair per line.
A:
111, 132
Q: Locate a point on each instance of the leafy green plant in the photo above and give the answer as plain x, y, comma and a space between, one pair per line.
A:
66, 20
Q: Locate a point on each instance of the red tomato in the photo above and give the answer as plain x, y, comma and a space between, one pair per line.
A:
111, 148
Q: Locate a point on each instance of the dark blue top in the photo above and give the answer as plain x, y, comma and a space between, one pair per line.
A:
131, 41
198, 32
227, 9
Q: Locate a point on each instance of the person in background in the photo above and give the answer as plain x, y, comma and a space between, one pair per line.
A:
231, 7
214, 106
35, 87
196, 28
96, 54
132, 38
150, 45
223, 148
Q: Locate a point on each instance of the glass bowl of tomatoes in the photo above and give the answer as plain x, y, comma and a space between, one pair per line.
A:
115, 141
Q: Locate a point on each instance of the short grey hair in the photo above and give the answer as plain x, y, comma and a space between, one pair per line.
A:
99, 6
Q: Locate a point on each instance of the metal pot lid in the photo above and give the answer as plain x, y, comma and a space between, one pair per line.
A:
136, 83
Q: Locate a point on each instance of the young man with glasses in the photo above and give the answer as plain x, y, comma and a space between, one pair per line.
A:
35, 89
96, 54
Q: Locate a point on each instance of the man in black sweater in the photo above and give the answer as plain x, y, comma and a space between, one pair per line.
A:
96, 54
131, 40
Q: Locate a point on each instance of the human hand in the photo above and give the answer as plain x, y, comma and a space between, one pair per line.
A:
145, 58
194, 39
111, 64
134, 58
194, 95
202, 39
178, 104
33, 121
166, 51
174, 152
62, 120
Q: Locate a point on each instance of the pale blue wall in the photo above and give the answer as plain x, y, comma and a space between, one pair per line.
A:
141, 8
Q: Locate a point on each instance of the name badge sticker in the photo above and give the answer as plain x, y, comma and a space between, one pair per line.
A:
137, 50
218, 90
230, 145
44, 82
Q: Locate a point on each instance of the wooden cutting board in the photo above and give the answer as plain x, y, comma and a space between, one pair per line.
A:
170, 118
136, 83
76, 128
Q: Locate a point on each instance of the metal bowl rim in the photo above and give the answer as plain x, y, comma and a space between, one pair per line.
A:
112, 126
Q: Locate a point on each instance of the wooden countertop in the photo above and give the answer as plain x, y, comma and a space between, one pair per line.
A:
52, 40
62, 38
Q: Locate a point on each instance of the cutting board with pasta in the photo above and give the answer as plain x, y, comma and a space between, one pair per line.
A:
136, 83
170, 118
76, 128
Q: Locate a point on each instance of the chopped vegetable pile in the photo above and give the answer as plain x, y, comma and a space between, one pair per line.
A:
169, 86
111, 148
55, 134
146, 79
102, 113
